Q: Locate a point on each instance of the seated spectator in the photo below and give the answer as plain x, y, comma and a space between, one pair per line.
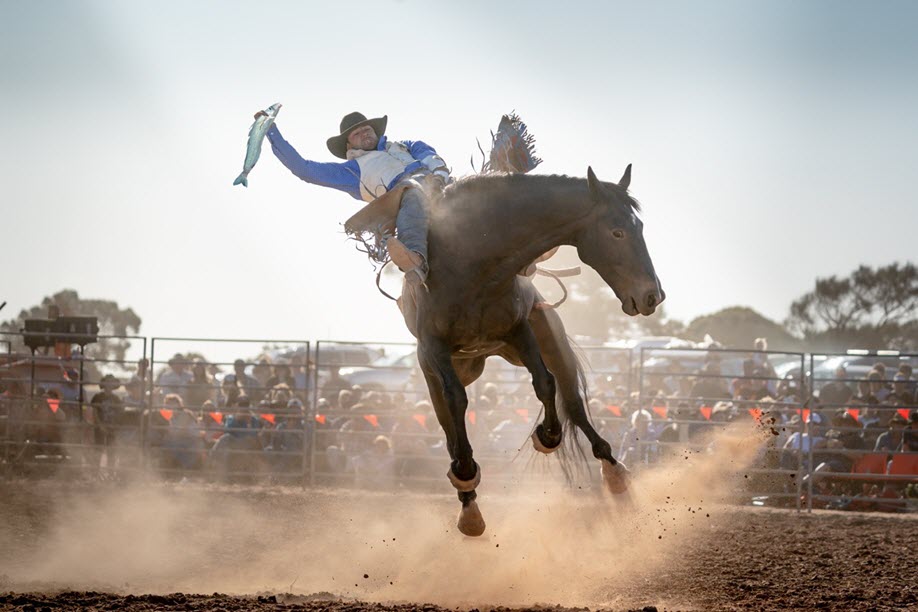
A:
753, 388
374, 468
708, 386
183, 446
891, 440
510, 434
813, 438
788, 389
176, 378
836, 393
235, 450
901, 393
879, 389
246, 383
912, 385
281, 374
286, 440
201, 387
639, 444
230, 393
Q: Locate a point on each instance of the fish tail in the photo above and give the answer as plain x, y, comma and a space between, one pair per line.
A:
241, 179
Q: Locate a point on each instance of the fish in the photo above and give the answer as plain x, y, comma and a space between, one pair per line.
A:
256, 136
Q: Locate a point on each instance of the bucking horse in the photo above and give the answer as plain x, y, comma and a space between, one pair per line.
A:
483, 231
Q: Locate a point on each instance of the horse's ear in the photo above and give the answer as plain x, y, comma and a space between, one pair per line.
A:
626, 178
593, 182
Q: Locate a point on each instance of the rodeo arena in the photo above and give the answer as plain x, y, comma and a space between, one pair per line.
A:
648, 474
321, 464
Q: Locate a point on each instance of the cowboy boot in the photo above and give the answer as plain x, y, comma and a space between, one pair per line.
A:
409, 262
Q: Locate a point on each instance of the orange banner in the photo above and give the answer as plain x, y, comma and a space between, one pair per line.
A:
421, 419
372, 420
166, 414
706, 412
320, 418
903, 412
616, 410
756, 414
855, 413
660, 411
216, 416
523, 412
472, 416
53, 404
268, 417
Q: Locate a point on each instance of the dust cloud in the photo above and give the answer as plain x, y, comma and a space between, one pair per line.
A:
545, 543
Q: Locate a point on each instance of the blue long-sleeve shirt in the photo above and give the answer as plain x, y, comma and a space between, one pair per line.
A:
345, 176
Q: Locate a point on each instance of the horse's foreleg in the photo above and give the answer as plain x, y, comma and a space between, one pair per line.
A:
559, 356
547, 436
450, 403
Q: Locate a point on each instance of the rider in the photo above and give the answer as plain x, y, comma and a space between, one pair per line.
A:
373, 166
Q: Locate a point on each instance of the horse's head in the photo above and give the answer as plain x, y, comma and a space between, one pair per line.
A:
613, 244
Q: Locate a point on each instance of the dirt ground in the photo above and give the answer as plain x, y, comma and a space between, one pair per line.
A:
677, 545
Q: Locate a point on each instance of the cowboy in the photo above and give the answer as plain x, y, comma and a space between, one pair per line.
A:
373, 166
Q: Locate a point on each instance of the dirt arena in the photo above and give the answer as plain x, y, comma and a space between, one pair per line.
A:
676, 546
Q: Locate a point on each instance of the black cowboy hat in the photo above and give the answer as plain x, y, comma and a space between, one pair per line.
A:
338, 144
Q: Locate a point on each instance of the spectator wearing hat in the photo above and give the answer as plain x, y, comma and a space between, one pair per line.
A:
107, 412
176, 378
891, 440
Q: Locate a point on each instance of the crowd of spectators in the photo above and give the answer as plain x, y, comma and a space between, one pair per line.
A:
280, 419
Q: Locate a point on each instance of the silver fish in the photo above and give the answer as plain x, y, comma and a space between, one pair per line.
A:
256, 137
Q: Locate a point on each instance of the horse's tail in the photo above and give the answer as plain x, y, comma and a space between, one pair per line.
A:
571, 454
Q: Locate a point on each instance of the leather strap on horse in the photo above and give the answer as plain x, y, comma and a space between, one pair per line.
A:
557, 275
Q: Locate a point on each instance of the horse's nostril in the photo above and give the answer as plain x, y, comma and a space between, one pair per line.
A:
651, 300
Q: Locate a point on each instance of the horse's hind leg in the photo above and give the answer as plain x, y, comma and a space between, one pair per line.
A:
547, 436
450, 403
560, 358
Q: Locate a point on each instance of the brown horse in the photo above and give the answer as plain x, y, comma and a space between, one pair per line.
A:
482, 232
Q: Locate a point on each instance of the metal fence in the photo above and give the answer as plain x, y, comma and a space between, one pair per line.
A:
357, 414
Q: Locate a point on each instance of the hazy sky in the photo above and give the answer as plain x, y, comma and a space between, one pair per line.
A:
772, 142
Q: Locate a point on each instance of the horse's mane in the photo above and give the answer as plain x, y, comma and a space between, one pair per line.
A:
478, 185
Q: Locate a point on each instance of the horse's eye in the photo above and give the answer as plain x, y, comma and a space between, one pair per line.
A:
618, 234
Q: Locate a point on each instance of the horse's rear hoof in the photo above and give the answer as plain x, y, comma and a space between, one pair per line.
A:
545, 446
615, 476
470, 522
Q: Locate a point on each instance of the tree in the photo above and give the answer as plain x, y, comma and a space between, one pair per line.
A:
870, 309
738, 327
113, 321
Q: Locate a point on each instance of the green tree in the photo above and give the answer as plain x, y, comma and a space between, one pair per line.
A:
113, 321
870, 309
739, 326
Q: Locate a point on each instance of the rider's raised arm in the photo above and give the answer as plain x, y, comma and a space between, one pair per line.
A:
344, 176
427, 155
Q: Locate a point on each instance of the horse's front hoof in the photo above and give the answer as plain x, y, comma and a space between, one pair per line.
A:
615, 476
544, 446
464, 486
470, 522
